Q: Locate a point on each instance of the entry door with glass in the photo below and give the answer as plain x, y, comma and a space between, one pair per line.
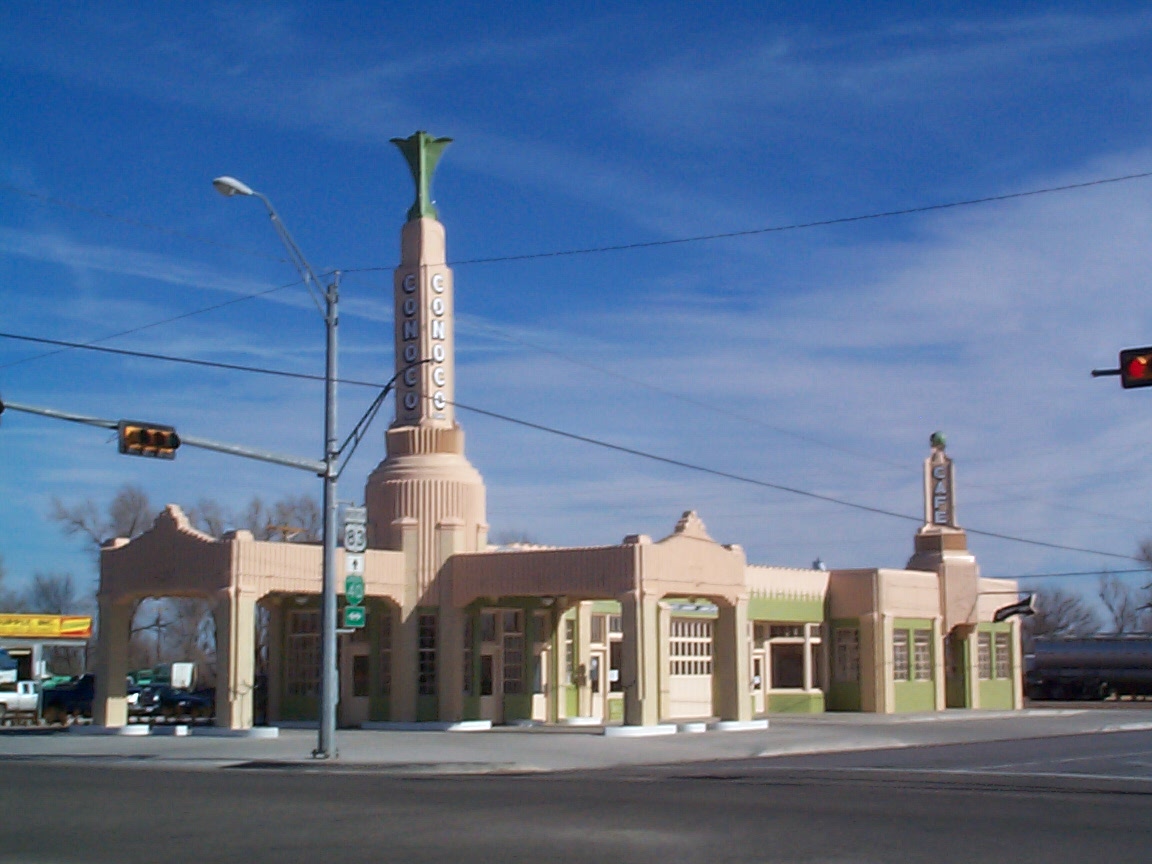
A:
491, 669
354, 683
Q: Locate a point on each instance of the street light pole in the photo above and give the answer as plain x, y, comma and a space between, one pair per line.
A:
326, 745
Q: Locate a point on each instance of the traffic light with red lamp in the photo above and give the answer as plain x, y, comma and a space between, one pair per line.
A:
1136, 367
147, 439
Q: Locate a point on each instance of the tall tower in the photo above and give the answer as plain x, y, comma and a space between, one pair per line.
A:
425, 498
941, 544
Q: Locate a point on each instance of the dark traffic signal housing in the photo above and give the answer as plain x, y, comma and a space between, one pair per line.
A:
148, 439
1136, 367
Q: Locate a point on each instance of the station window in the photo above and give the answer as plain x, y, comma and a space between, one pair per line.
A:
427, 653
302, 660
360, 675
847, 654
690, 646
469, 672
597, 629
487, 626
984, 655
1003, 655
792, 654
569, 650
386, 653
922, 655
513, 626
900, 655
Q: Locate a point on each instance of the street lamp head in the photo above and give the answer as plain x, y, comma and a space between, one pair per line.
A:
229, 186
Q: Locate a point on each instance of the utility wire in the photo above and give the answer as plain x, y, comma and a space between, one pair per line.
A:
842, 220
1074, 573
66, 346
168, 358
764, 483
569, 435
688, 400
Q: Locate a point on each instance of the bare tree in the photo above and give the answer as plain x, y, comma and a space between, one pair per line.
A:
56, 594
299, 519
211, 517
129, 514
513, 537
10, 600
1122, 602
1059, 613
292, 519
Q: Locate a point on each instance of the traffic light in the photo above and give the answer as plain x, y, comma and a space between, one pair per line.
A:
148, 439
1136, 367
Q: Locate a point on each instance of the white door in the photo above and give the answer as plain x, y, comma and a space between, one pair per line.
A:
491, 684
690, 668
354, 683
598, 682
758, 682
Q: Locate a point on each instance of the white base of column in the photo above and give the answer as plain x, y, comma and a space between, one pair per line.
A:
639, 731
432, 726
738, 725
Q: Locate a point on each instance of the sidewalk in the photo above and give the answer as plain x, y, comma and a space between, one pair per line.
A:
508, 749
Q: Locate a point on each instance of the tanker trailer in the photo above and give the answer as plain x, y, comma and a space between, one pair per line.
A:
1091, 667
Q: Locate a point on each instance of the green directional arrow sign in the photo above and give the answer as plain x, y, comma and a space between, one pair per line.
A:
354, 590
354, 616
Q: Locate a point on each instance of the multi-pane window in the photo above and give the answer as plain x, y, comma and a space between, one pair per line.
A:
386, 653
1003, 655
541, 636
426, 648
984, 655
360, 669
900, 655
302, 657
690, 646
922, 655
792, 654
513, 626
847, 654
597, 629
615, 624
487, 626
469, 672
569, 650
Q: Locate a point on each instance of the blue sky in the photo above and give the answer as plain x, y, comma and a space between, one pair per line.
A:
819, 358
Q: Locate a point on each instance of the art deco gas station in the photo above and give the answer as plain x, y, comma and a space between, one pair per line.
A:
647, 633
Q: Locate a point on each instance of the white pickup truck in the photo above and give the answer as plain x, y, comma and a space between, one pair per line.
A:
21, 703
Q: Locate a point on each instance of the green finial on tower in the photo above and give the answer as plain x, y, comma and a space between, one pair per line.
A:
422, 152
937, 441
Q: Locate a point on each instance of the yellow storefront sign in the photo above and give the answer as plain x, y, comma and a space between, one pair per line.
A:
45, 626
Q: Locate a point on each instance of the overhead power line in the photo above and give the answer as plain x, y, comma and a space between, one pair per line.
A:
775, 229
67, 346
779, 487
596, 442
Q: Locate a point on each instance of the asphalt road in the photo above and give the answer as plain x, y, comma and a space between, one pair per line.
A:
1077, 798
